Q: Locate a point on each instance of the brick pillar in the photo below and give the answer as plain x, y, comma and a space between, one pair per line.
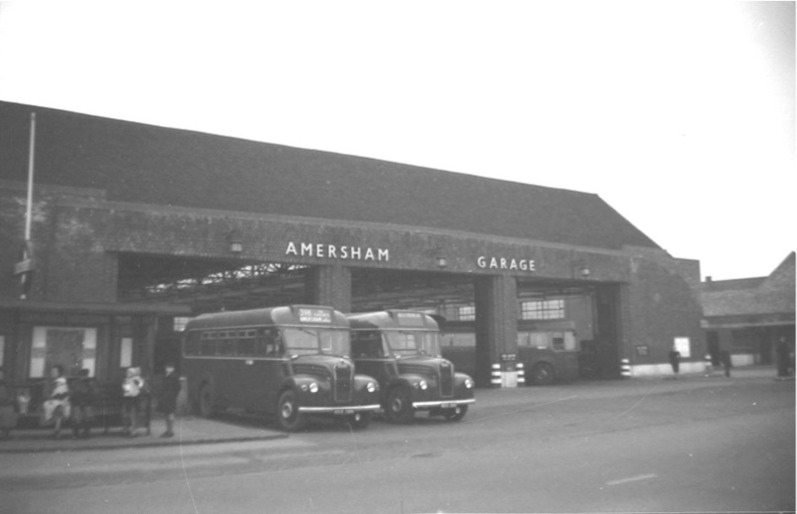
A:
496, 329
330, 285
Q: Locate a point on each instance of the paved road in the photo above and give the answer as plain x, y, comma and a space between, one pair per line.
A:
711, 445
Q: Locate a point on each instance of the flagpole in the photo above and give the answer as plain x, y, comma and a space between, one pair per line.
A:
29, 214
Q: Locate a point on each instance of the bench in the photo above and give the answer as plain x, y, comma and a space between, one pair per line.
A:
107, 410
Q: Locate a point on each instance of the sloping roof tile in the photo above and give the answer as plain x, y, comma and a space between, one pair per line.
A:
149, 164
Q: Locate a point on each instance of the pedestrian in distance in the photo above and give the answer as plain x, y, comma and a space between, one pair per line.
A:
675, 360
784, 357
8, 416
725, 356
167, 401
84, 394
132, 387
56, 408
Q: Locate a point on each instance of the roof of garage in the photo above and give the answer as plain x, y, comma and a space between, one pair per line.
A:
149, 164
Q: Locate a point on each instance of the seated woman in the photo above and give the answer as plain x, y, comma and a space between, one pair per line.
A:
56, 407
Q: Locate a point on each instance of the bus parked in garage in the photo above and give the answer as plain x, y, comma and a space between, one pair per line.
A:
401, 349
292, 362
548, 355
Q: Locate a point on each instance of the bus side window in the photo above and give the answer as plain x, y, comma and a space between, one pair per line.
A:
273, 343
558, 341
246, 347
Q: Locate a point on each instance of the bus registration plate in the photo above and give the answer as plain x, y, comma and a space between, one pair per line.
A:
343, 411
448, 405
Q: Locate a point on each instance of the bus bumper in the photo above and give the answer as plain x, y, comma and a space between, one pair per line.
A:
442, 404
349, 409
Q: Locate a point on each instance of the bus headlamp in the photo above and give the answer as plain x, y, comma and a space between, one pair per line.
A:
422, 385
370, 387
312, 387
468, 383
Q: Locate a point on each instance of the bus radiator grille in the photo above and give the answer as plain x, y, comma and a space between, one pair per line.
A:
446, 379
343, 383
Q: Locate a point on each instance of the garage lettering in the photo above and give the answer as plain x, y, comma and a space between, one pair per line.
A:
342, 252
504, 263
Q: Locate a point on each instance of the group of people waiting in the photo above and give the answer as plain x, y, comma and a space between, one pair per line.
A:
74, 403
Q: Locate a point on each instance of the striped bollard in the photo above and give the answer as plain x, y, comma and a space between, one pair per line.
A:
496, 375
625, 368
521, 374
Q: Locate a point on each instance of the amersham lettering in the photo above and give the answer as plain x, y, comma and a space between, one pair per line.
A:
342, 252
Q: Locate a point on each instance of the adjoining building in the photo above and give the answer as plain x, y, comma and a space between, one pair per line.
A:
747, 317
135, 226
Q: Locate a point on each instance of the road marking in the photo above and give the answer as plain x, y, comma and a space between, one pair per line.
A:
632, 479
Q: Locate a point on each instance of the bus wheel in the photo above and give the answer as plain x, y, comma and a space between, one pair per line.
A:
288, 414
360, 420
205, 401
455, 414
542, 374
398, 407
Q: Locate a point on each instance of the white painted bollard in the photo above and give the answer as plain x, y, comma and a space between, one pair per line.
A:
496, 375
625, 368
521, 374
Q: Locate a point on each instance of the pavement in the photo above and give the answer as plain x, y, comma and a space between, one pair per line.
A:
228, 429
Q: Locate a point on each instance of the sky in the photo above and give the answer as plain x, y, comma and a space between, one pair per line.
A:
680, 115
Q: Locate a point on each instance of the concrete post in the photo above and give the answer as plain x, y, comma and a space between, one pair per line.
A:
330, 285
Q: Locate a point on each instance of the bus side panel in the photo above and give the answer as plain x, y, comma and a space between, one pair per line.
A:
463, 358
262, 379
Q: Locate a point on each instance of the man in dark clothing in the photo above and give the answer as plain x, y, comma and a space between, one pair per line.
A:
167, 402
84, 393
675, 360
725, 356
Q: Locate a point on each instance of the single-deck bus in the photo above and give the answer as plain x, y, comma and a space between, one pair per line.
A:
401, 349
290, 361
548, 356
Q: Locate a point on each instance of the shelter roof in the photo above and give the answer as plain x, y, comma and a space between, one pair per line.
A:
149, 164
773, 294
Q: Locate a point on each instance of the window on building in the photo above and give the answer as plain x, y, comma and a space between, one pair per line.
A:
542, 309
466, 313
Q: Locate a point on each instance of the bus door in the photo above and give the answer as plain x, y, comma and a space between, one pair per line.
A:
263, 372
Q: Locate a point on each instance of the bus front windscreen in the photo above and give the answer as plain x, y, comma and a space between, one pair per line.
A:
315, 341
404, 344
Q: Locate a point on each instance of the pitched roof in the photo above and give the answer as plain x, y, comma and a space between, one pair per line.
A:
773, 294
149, 164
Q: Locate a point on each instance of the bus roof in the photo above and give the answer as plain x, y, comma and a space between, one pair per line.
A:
317, 315
395, 319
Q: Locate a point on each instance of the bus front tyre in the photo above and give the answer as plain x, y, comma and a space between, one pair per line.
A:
398, 407
288, 415
542, 374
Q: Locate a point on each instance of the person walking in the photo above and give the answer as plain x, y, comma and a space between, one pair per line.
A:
167, 401
131, 394
84, 394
